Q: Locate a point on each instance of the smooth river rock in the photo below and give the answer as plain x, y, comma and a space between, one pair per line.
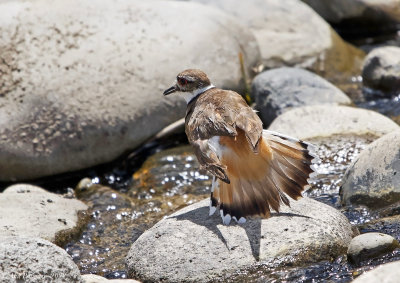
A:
381, 69
326, 120
373, 178
25, 259
370, 245
81, 81
385, 273
191, 246
278, 90
359, 15
30, 211
290, 33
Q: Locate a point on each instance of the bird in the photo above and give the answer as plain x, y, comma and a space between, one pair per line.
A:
253, 170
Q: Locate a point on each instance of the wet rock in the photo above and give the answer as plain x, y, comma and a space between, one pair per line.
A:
373, 179
92, 278
284, 30
325, 120
388, 273
388, 225
381, 69
359, 15
192, 246
30, 211
370, 245
68, 103
277, 90
25, 259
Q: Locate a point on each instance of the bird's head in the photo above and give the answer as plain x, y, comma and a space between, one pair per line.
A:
190, 82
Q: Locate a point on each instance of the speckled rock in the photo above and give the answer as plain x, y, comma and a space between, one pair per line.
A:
278, 90
358, 15
35, 260
385, 273
81, 81
370, 245
325, 120
191, 246
30, 211
291, 33
381, 69
373, 178
92, 278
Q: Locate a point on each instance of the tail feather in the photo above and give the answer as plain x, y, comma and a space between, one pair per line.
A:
261, 181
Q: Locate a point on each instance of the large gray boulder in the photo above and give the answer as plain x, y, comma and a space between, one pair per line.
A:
291, 34
30, 211
381, 69
373, 178
387, 273
326, 120
278, 90
81, 81
24, 259
191, 246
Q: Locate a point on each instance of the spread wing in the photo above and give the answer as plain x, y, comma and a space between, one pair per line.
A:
218, 113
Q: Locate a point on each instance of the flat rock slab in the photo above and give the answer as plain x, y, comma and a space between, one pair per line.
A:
278, 90
31, 211
81, 81
191, 246
373, 178
326, 120
25, 259
370, 245
385, 273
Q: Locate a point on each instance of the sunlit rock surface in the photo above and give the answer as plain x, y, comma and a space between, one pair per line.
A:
381, 69
291, 34
388, 273
325, 120
191, 246
81, 81
26, 259
373, 179
370, 245
30, 211
278, 90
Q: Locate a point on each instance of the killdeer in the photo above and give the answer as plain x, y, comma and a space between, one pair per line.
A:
254, 170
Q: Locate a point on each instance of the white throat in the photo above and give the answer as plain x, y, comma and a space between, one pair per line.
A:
189, 96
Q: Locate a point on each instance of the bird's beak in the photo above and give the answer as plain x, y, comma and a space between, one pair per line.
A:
170, 90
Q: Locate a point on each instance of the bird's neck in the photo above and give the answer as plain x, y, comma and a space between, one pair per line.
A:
189, 96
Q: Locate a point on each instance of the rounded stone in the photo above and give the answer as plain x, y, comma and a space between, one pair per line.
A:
24, 259
81, 81
326, 120
277, 90
381, 69
373, 178
370, 245
387, 273
284, 30
191, 246
30, 211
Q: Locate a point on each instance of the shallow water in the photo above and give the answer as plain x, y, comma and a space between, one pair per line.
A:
170, 179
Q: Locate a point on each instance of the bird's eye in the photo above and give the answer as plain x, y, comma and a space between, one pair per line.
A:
182, 81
